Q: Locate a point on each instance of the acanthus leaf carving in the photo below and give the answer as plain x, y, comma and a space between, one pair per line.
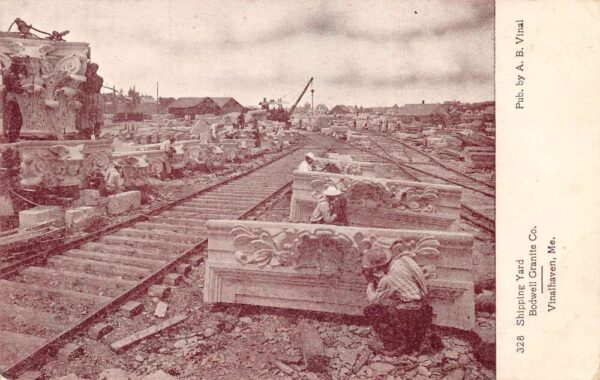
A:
324, 250
369, 194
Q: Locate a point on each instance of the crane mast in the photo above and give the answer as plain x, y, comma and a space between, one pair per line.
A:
300, 97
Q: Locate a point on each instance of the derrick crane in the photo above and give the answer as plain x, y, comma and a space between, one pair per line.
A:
280, 114
300, 97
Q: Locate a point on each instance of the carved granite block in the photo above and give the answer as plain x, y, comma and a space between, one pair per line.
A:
380, 202
317, 267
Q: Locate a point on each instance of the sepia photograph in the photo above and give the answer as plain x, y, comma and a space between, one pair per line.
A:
248, 190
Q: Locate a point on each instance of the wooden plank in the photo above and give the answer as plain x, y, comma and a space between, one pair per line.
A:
117, 270
170, 236
50, 273
136, 337
33, 318
125, 250
169, 227
16, 346
177, 221
10, 286
149, 243
116, 259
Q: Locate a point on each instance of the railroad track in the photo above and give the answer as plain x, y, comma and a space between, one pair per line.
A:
48, 298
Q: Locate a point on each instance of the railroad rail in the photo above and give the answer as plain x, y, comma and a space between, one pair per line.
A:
48, 298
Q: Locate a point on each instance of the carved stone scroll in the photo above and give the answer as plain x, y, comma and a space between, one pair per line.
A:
316, 267
379, 202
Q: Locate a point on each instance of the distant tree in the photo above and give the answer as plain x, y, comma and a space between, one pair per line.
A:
134, 99
165, 103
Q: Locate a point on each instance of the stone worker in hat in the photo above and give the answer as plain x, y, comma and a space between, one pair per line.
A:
306, 165
330, 209
398, 307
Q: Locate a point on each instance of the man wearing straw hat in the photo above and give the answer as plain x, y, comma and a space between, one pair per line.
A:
306, 165
330, 209
398, 307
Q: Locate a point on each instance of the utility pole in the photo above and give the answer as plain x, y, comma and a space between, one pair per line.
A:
312, 100
157, 101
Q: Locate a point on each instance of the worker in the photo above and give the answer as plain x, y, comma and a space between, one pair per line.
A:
324, 212
213, 137
113, 181
90, 117
398, 307
339, 206
256, 133
167, 146
307, 164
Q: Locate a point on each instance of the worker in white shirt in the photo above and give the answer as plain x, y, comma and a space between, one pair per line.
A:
113, 180
306, 165
167, 145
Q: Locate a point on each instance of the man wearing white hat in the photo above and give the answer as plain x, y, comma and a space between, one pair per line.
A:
306, 165
327, 210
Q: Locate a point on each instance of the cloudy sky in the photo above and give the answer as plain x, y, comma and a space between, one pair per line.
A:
378, 52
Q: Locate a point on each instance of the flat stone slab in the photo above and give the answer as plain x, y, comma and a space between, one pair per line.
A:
41, 215
380, 202
123, 202
318, 267
80, 218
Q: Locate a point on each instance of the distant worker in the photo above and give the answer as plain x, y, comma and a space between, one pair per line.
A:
113, 180
241, 120
307, 164
324, 212
213, 137
256, 133
167, 146
397, 294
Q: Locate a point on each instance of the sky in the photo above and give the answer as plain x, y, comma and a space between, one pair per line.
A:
360, 52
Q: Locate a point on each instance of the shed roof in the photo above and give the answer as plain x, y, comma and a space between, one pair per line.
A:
188, 102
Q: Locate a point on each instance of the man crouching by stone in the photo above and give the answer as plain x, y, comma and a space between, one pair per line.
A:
398, 308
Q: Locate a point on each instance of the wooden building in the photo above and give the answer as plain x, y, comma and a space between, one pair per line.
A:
194, 106
228, 105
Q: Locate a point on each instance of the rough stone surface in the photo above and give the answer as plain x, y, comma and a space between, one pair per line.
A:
71, 351
31, 375
161, 309
89, 197
159, 291
159, 375
457, 374
485, 351
123, 202
132, 308
99, 331
382, 367
80, 218
173, 279
41, 215
114, 374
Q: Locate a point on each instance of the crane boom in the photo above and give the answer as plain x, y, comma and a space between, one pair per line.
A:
300, 97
